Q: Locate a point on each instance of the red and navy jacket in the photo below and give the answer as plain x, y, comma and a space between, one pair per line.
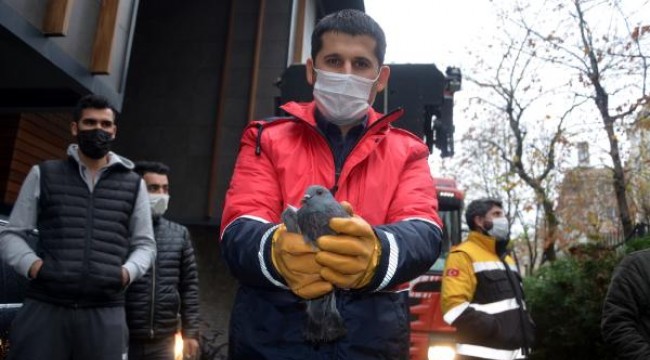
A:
387, 180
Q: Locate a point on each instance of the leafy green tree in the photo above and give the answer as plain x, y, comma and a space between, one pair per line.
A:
565, 300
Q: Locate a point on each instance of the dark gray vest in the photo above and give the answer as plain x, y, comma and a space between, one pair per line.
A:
84, 236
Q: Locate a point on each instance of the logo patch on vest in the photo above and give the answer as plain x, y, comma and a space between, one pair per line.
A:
453, 272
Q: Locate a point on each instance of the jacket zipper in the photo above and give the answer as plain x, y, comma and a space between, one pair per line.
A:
153, 300
87, 240
337, 171
520, 302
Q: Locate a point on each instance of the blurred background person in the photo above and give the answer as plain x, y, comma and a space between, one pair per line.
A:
482, 295
170, 288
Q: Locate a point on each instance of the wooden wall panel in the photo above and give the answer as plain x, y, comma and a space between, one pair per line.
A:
38, 137
103, 46
7, 136
57, 17
299, 33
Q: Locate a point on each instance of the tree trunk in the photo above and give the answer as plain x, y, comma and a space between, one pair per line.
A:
551, 229
602, 103
619, 180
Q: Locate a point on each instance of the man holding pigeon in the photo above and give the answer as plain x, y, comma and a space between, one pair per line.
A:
391, 234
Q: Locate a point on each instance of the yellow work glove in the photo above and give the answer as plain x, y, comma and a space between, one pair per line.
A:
295, 260
350, 258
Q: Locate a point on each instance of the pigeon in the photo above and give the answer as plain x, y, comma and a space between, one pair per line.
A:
324, 323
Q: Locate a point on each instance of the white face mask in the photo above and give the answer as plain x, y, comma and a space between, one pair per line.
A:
158, 204
342, 98
499, 229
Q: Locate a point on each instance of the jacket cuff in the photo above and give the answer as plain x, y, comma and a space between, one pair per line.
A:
387, 264
26, 263
133, 272
266, 261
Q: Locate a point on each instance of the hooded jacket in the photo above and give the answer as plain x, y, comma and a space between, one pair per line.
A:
387, 180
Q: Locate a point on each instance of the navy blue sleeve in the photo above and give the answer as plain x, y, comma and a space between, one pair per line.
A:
408, 249
246, 248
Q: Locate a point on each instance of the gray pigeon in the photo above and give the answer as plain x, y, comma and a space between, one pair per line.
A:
324, 323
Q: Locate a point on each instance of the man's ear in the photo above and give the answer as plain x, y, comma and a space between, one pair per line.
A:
382, 81
479, 221
74, 128
309, 72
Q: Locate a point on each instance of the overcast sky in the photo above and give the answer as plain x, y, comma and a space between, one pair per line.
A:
441, 32
437, 32
431, 31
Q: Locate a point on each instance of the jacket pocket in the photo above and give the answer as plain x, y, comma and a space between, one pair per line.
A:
498, 283
107, 284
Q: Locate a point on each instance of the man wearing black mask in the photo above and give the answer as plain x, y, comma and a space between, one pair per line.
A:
95, 237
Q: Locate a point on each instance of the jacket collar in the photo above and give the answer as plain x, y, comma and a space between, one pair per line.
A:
378, 126
113, 158
307, 112
484, 241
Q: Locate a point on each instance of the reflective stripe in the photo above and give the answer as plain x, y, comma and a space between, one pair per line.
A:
491, 308
489, 353
256, 218
10, 306
260, 258
497, 307
451, 315
393, 257
260, 253
487, 266
491, 265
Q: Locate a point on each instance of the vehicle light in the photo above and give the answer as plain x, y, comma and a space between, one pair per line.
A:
441, 352
446, 194
178, 347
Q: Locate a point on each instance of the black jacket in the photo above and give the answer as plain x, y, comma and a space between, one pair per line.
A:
626, 312
153, 303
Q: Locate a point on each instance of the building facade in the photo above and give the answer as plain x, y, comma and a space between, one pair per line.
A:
185, 77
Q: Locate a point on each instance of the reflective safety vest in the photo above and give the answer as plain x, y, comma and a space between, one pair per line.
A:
482, 297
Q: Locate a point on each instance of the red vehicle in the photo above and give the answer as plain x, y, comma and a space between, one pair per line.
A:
431, 337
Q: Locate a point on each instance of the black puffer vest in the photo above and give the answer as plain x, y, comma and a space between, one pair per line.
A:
168, 289
84, 236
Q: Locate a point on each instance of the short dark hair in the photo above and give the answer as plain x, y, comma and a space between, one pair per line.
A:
143, 167
480, 207
92, 101
352, 22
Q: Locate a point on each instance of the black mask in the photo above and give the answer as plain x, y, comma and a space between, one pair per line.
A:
94, 143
